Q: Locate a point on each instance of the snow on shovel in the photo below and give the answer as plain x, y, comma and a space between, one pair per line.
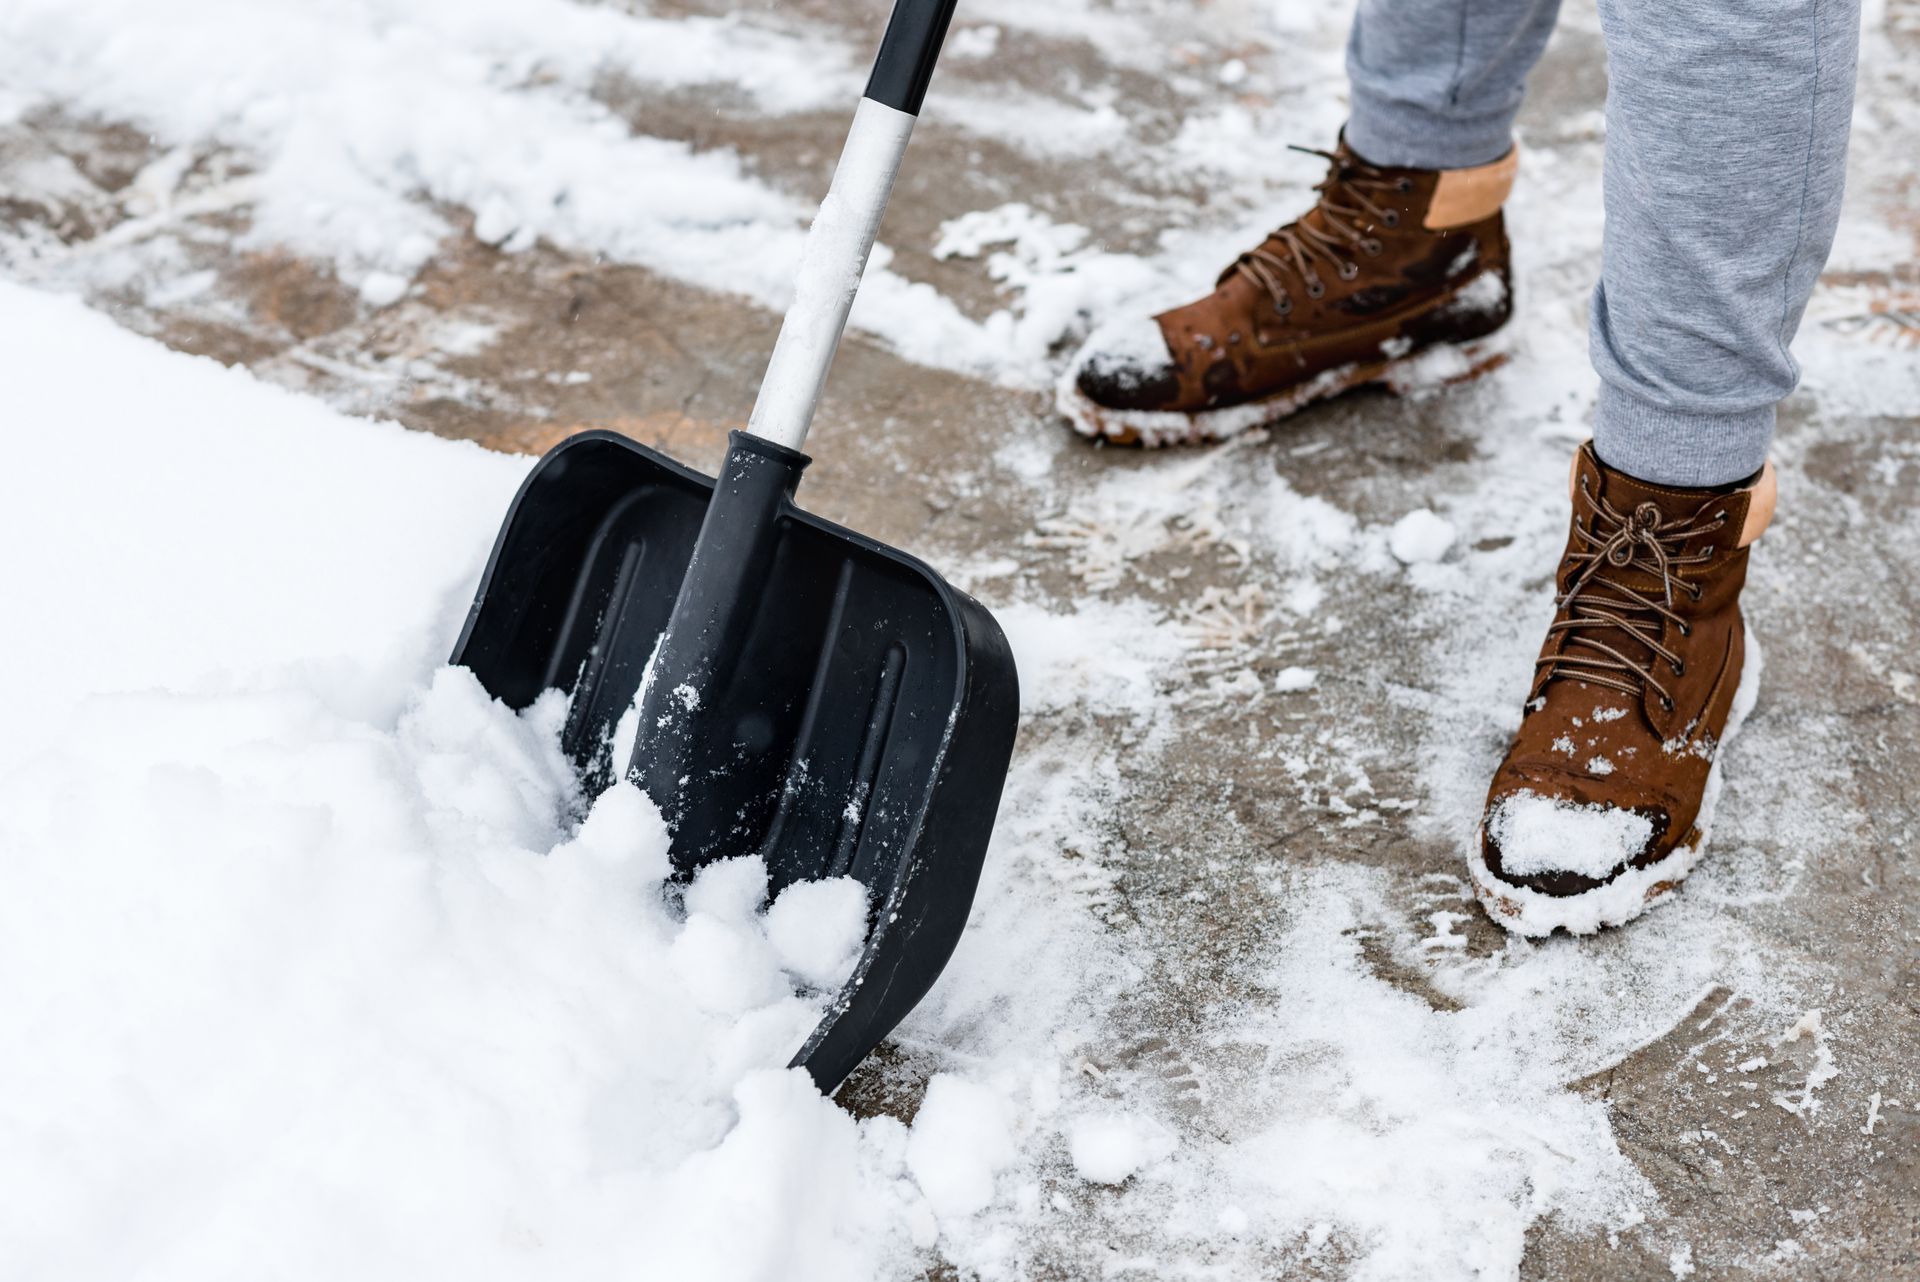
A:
804, 692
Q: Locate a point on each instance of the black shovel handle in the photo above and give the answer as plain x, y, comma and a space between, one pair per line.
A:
908, 51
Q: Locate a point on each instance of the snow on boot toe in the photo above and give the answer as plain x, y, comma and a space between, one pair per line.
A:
1126, 364
1538, 838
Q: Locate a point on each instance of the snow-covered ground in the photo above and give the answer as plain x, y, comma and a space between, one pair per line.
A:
316, 965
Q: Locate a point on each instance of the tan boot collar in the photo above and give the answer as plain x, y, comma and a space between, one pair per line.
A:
1765, 492
1762, 495
1463, 196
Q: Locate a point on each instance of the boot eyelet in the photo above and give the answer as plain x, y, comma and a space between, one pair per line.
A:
1315, 289
1679, 669
1707, 550
1349, 270
1405, 184
1392, 218
1685, 631
1283, 307
1666, 704
1372, 247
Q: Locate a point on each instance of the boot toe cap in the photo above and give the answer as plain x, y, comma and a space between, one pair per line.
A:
1127, 365
1560, 845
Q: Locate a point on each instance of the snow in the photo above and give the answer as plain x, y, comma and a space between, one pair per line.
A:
324, 971
1539, 834
358, 912
1803, 1102
961, 1138
972, 42
1033, 235
723, 968
1293, 679
1129, 350
1107, 1148
328, 974
217, 605
1420, 537
382, 289
817, 928
729, 889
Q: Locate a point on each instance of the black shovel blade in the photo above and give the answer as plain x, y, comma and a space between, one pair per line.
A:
862, 727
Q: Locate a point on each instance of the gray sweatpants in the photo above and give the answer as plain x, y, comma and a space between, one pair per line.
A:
1726, 152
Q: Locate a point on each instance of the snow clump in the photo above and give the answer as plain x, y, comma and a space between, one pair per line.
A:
817, 928
1420, 537
961, 1138
1539, 834
1107, 1148
1292, 680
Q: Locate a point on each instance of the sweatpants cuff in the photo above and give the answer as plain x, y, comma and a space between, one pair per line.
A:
1397, 133
1669, 447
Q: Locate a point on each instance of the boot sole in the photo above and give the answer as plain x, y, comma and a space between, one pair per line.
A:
1525, 911
1427, 368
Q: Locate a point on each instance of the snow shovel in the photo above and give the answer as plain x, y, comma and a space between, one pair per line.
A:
793, 688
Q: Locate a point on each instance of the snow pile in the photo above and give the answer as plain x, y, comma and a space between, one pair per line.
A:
356, 998
323, 969
1539, 834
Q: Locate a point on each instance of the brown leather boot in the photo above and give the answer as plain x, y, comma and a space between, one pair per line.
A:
1389, 264
1602, 805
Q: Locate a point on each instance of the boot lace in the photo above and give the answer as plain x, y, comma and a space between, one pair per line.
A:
1302, 246
1599, 612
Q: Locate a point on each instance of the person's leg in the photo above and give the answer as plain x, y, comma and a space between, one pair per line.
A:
1726, 150
1436, 83
1726, 140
